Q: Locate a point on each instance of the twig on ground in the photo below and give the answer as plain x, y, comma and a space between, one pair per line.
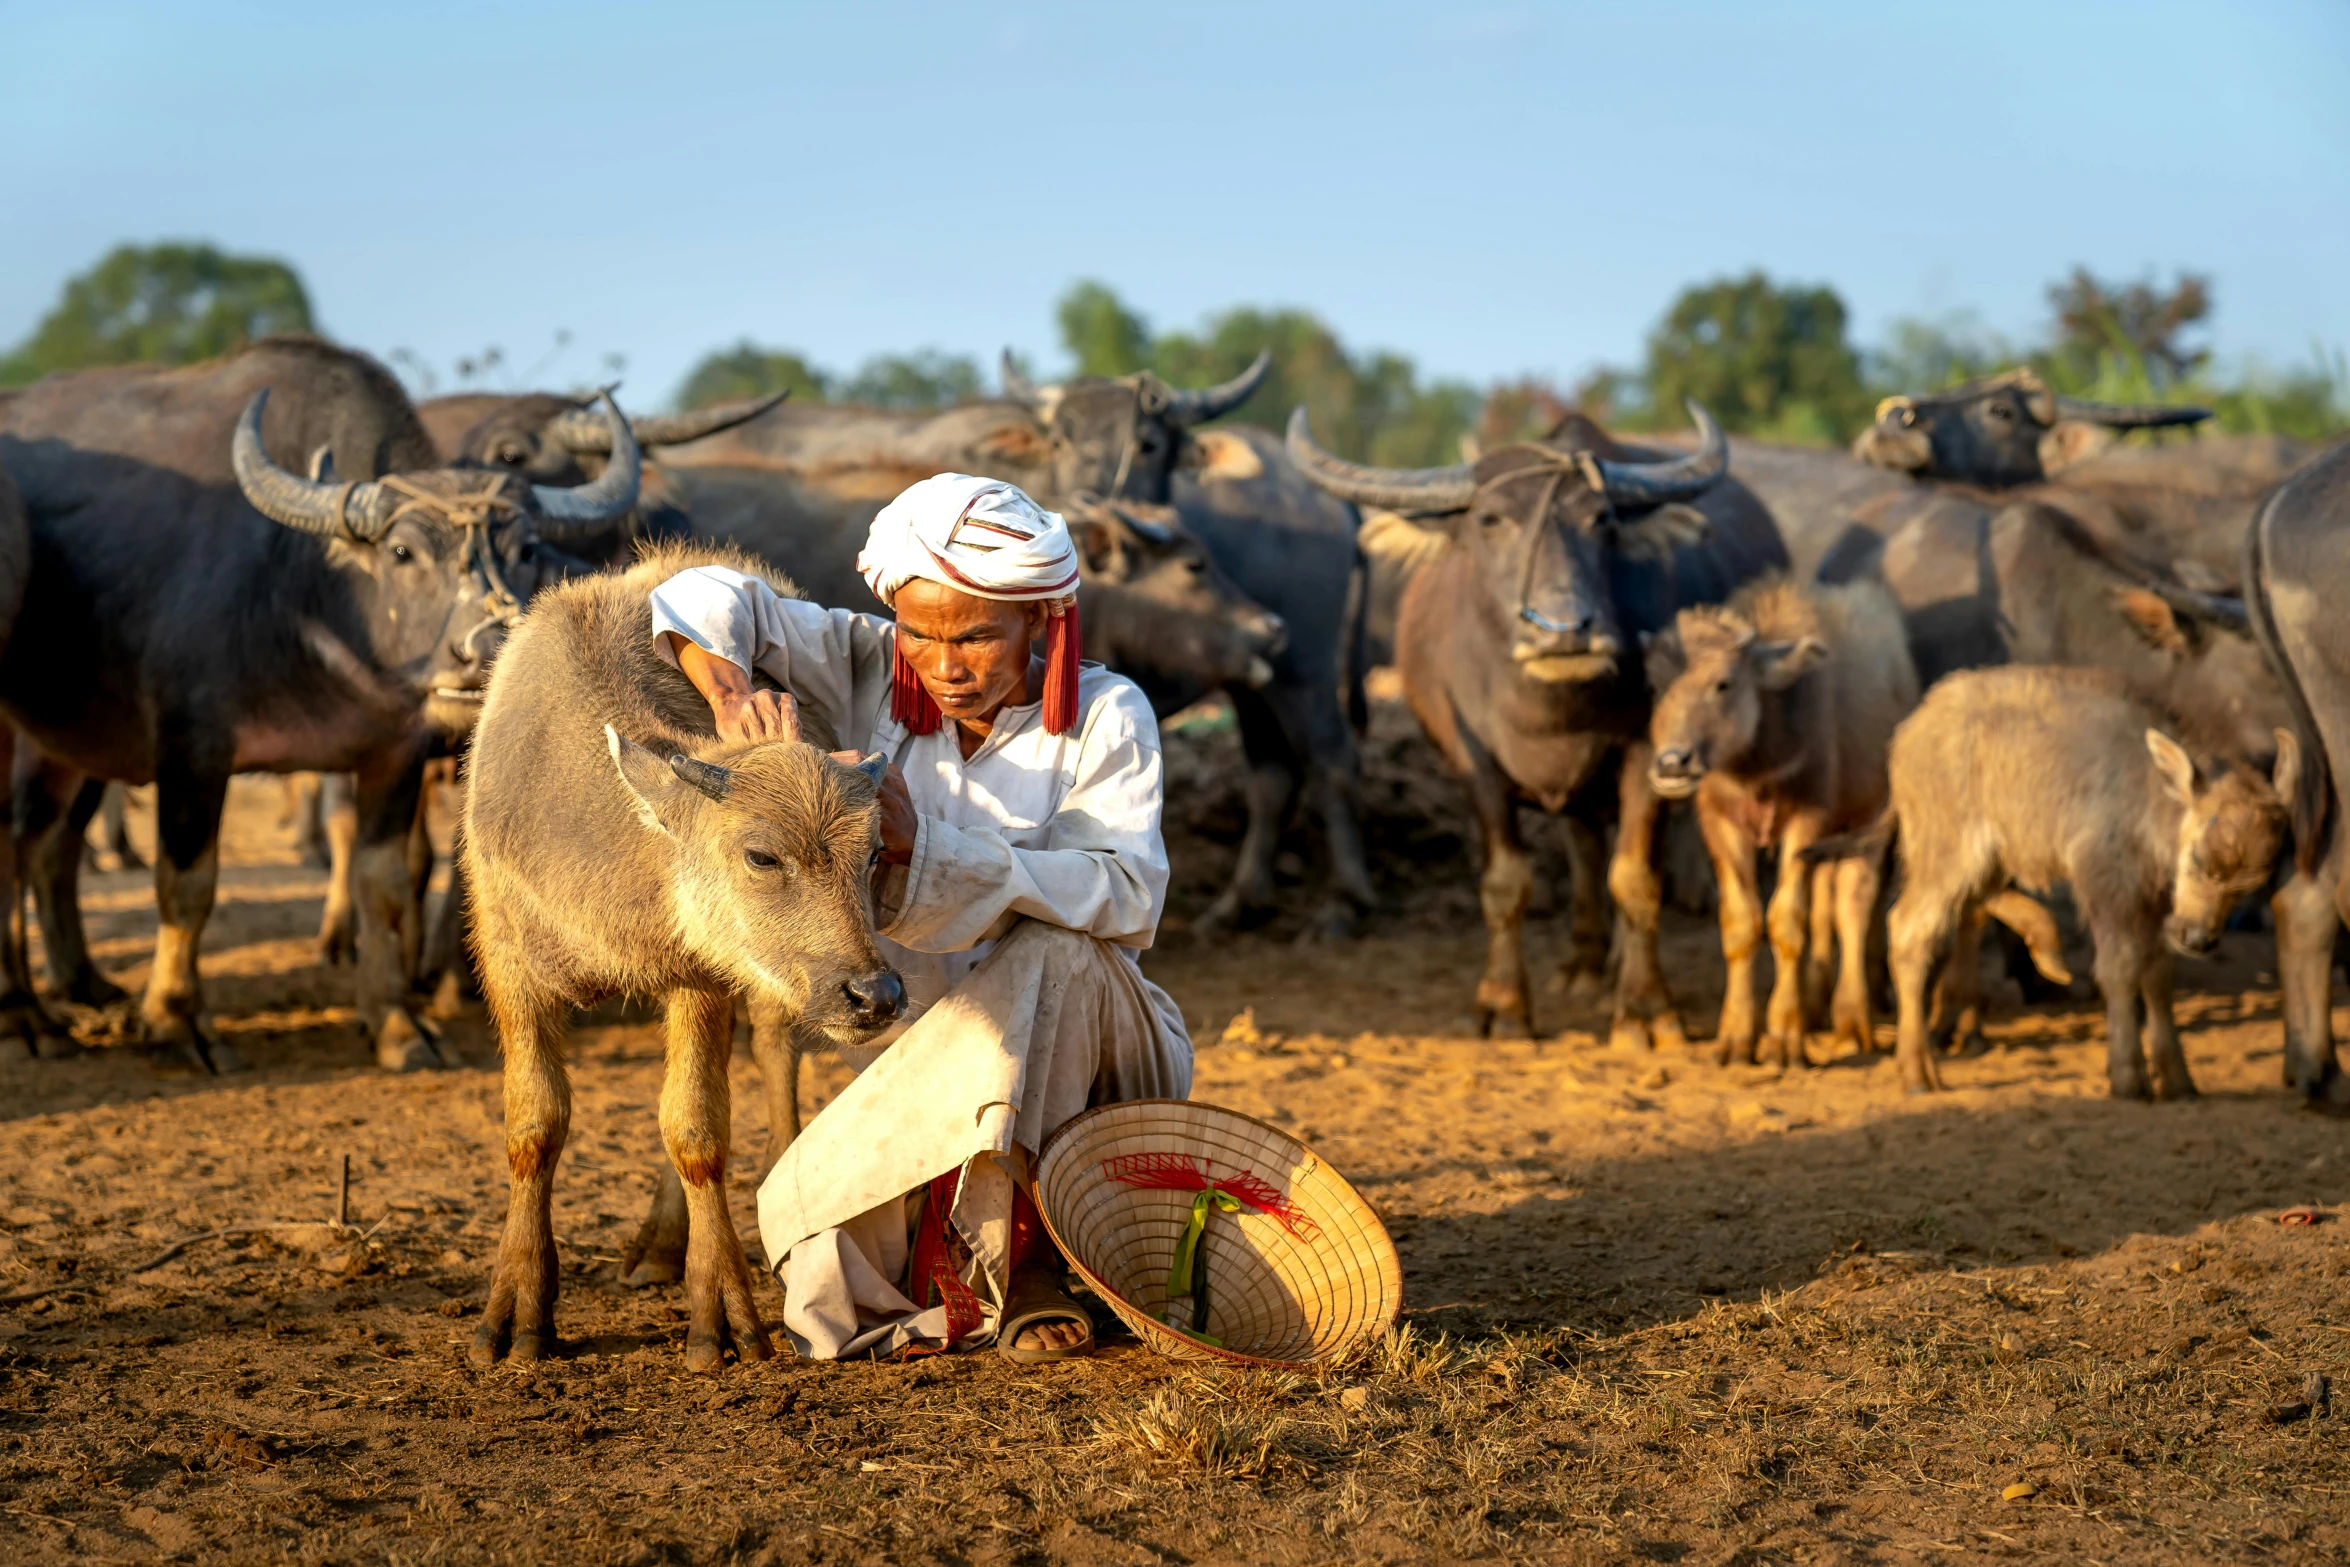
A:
171, 1251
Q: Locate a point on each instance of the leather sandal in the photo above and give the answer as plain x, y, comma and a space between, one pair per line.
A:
1035, 1297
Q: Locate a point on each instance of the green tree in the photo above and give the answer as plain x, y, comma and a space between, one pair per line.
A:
2097, 320
925, 378
1101, 334
161, 304
747, 370
1764, 359
1926, 354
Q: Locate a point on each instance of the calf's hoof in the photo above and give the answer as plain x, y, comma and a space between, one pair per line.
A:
2128, 1085
192, 1042
497, 1338
1502, 1023
404, 1044
1734, 1050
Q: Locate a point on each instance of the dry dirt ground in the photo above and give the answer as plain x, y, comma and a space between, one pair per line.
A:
1656, 1311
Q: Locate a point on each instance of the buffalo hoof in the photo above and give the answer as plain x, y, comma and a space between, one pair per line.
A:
1586, 989
1503, 1022
2129, 1085
405, 1045
192, 1043
89, 988
1336, 920
2175, 1093
28, 1031
1233, 911
1787, 1049
1662, 1031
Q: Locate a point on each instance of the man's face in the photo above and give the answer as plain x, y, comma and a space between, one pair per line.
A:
971, 653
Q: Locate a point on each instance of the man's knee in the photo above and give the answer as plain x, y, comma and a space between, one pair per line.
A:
1058, 945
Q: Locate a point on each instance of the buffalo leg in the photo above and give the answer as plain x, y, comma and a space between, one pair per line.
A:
338, 818
1855, 895
1917, 932
305, 814
1644, 1007
420, 858
48, 797
521, 1309
112, 849
1273, 778
1338, 799
1733, 853
1503, 892
384, 902
1585, 969
2172, 1080
187, 872
1957, 1024
694, 1120
26, 1028
1790, 926
2307, 921
448, 964
2122, 953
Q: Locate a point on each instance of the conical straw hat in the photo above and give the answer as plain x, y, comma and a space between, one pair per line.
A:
1301, 1283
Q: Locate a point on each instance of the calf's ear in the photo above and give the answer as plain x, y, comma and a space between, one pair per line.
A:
1781, 664
653, 789
2178, 773
2286, 775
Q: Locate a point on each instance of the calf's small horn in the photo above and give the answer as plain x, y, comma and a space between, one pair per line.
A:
611, 494
583, 430
1201, 404
1396, 489
875, 767
708, 777
1681, 478
331, 511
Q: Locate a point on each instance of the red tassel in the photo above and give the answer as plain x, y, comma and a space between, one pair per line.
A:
1062, 645
910, 701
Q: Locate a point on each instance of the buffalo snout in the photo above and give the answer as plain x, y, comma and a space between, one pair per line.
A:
1675, 770
2189, 937
874, 1000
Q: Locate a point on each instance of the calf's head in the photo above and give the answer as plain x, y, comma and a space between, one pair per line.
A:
1125, 436
1538, 522
440, 563
1157, 605
1713, 671
771, 859
2232, 826
2008, 429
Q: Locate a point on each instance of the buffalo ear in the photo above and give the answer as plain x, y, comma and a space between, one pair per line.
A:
2285, 776
1781, 664
2151, 616
1402, 542
652, 787
1097, 543
1012, 443
2178, 772
1220, 454
1662, 531
2069, 441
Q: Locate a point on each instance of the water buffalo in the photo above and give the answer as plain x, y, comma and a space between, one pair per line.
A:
1773, 712
615, 845
2003, 430
1516, 642
25, 1025
1291, 547
270, 622
2296, 556
2041, 776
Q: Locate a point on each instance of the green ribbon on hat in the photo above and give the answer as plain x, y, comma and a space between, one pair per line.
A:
1189, 1275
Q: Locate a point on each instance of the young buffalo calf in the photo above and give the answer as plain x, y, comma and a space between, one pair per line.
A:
1775, 712
614, 845
2040, 775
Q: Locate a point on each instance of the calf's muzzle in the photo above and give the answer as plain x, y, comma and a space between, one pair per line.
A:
874, 1000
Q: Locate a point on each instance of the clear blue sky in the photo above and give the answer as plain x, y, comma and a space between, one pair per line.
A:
1490, 189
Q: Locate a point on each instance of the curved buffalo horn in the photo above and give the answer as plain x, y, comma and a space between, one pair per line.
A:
332, 511
2129, 416
1017, 387
1201, 404
1396, 489
708, 777
612, 493
584, 430
1681, 478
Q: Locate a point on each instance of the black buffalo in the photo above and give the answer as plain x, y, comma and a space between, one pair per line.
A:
189, 625
1518, 640
2004, 430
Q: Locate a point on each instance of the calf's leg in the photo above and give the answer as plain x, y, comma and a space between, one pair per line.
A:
2172, 1080
1644, 1007
694, 1119
1855, 897
1741, 921
520, 1316
338, 818
1958, 1000
1790, 924
2122, 951
1916, 934
1819, 943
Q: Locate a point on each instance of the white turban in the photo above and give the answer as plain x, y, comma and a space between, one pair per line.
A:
981, 536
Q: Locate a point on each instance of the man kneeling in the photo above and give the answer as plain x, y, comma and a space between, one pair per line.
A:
1021, 869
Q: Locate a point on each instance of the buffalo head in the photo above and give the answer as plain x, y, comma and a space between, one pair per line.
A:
1538, 523
1158, 608
565, 441
1124, 437
2009, 429
441, 562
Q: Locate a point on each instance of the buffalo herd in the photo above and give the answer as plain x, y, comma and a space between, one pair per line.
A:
1999, 648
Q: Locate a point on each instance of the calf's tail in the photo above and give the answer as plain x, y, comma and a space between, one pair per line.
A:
2029, 918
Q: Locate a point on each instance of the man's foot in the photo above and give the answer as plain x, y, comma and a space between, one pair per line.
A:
1041, 1323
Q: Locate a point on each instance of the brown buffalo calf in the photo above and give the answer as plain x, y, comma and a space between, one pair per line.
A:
2042, 775
1774, 712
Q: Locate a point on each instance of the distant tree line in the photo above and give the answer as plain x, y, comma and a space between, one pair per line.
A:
1767, 357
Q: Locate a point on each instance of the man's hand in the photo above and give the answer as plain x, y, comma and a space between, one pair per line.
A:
743, 716
897, 820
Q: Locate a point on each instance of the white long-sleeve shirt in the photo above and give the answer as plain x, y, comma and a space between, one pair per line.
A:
1059, 828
